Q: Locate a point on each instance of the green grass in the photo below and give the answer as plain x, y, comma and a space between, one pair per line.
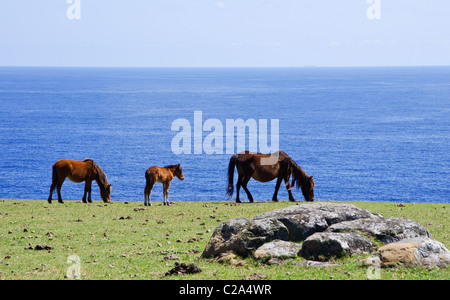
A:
129, 241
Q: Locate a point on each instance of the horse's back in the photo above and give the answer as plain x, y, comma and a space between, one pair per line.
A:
158, 174
153, 172
71, 164
63, 164
75, 170
251, 162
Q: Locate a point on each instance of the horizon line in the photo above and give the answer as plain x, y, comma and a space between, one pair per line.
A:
221, 67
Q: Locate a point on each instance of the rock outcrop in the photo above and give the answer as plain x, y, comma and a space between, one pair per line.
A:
326, 230
386, 230
243, 236
277, 248
307, 219
411, 252
322, 245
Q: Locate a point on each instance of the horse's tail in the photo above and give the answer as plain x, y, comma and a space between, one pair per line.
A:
230, 174
147, 177
54, 176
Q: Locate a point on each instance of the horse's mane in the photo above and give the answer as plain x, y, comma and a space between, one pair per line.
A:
171, 166
299, 176
100, 172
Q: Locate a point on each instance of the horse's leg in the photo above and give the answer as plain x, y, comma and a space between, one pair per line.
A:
167, 197
58, 189
244, 185
89, 190
166, 187
53, 185
85, 191
238, 187
277, 187
52, 188
289, 189
148, 192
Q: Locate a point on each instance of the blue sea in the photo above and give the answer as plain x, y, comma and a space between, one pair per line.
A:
365, 134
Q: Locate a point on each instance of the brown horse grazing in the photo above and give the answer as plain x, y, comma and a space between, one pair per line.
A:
79, 171
164, 175
249, 165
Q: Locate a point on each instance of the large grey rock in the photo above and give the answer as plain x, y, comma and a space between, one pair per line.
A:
386, 230
327, 229
323, 245
424, 252
277, 248
304, 220
243, 236
431, 253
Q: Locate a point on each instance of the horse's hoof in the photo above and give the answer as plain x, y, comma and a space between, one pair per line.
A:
275, 200
238, 201
292, 200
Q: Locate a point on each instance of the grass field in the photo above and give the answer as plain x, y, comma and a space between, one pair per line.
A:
126, 240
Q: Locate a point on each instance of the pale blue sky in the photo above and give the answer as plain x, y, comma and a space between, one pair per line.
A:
226, 33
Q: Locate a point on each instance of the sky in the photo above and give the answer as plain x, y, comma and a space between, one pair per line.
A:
226, 33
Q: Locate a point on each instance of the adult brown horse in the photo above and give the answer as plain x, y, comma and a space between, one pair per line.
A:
79, 171
164, 175
250, 165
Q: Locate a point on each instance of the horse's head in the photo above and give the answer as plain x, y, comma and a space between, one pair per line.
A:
105, 193
308, 189
179, 172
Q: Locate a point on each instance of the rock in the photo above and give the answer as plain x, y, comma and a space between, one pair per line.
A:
431, 253
323, 245
275, 261
277, 248
424, 252
40, 247
313, 263
182, 269
243, 236
256, 276
223, 257
230, 258
327, 229
304, 220
173, 256
226, 237
386, 230
372, 260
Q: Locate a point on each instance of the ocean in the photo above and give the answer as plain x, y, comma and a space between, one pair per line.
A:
365, 134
